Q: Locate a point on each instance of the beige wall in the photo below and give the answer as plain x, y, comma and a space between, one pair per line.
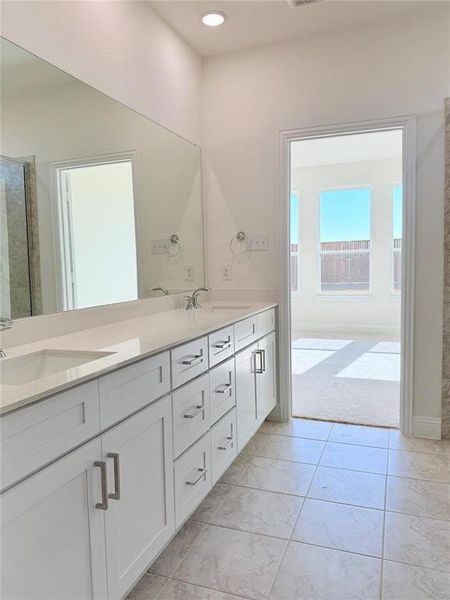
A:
122, 48
378, 310
381, 71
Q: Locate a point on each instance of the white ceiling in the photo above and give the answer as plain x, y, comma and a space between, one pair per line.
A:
253, 23
378, 145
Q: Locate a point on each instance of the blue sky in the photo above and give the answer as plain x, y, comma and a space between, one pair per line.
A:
345, 214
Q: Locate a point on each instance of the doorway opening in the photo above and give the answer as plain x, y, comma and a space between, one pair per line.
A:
348, 327
96, 232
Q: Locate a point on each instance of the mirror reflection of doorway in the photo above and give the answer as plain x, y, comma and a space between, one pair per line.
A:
346, 257
97, 233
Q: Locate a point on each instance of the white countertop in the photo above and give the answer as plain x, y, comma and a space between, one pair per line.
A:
128, 340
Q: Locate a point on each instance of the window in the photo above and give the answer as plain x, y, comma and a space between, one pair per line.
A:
295, 274
397, 220
345, 240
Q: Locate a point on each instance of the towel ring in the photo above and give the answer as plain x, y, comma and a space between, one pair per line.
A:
239, 243
176, 244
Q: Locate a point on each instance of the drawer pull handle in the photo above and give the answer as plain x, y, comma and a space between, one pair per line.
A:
195, 360
227, 444
197, 411
103, 505
203, 472
263, 360
258, 367
226, 387
115, 457
223, 345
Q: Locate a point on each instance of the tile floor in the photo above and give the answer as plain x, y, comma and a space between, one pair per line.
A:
341, 379
312, 510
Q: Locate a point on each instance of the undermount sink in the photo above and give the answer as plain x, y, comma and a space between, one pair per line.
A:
29, 367
229, 307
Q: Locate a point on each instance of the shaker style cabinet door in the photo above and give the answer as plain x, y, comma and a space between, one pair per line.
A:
247, 422
52, 534
266, 379
140, 516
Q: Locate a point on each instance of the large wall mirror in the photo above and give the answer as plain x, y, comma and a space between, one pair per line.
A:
98, 204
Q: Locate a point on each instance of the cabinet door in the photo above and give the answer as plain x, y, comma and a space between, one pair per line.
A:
140, 517
52, 537
266, 382
246, 395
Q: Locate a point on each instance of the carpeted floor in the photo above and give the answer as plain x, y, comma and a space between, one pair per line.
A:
355, 381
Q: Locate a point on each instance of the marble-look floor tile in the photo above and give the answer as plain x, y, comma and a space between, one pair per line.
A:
416, 465
340, 526
148, 587
308, 572
405, 582
178, 590
173, 554
417, 541
418, 497
397, 441
348, 487
258, 511
273, 475
360, 435
304, 428
286, 448
211, 503
233, 561
356, 458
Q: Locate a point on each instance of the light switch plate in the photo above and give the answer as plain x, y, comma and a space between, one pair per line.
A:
189, 272
226, 272
258, 241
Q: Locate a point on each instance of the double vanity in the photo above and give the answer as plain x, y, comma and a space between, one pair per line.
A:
112, 436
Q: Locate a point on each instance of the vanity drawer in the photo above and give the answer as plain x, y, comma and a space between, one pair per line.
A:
129, 389
190, 411
192, 475
189, 361
221, 345
266, 322
223, 445
222, 391
36, 435
246, 332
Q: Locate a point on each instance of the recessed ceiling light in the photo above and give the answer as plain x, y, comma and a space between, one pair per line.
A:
214, 18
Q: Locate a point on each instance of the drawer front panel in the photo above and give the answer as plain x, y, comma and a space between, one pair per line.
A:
223, 445
189, 361
245, 332
222, 389
221, 345
131, 388
38, 434
266, 322
190, 409
192, 475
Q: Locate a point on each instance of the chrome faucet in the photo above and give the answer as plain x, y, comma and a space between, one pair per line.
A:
164, 290
5, 323
192, 302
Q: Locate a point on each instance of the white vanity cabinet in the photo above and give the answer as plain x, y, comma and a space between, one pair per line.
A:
139, 519
98, 478
52, 535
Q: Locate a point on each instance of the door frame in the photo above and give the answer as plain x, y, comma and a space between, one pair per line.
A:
407, 124
63, 296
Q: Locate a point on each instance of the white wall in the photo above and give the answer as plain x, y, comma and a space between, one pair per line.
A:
376, 72
378, 310
122, 48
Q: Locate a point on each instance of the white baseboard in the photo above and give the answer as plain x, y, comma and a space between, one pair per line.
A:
427, 427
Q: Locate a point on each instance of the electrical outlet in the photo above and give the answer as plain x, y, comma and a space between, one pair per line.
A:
226, 272
189, 272
258, 241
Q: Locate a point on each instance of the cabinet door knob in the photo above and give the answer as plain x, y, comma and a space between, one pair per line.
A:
103, 505
115, 457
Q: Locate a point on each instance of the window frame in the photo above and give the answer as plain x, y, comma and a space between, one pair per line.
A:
295, 293
344, 293
396, 293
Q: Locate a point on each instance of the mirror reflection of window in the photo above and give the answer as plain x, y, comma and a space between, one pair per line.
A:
97, 234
